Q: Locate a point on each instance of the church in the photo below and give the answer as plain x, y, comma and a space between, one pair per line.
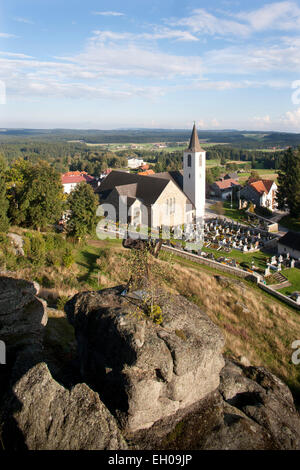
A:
169, 199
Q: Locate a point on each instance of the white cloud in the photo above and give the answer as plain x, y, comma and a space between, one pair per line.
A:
215, 123
108, 13
262, 119
16, 55
291, 119
252, 59
158, 33
20, 19
277, 15
201, 21
289, 122
7, 35
282, 16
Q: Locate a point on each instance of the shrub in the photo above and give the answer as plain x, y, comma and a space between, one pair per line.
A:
155, 313
263, 211
68, 258
61, 302
38, 250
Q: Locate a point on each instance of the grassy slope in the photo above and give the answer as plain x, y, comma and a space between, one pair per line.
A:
293, 276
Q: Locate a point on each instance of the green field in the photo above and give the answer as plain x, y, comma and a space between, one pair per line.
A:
293, 276
266, 174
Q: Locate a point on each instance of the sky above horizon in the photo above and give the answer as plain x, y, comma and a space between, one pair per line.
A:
110, 64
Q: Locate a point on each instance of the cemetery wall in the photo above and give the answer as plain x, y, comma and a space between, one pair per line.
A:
272, 227
280, 296
213, 264
231, 270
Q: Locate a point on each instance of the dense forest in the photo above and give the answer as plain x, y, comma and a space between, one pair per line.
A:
65, 156
238, 139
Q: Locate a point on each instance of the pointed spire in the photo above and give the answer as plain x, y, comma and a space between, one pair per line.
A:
194, 145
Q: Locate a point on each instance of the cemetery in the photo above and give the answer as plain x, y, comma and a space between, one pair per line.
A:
249, 248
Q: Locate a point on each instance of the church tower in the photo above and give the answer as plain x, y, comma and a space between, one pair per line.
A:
194, 163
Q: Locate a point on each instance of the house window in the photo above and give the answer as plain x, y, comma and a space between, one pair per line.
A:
189, 164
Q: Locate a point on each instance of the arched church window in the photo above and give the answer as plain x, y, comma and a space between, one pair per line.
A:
189, 160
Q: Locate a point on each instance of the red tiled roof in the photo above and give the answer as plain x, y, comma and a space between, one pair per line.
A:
262, 186
76, 177
147, 173
226, 184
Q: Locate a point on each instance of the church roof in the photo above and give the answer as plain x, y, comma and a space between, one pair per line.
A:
145, 188
133, 185
194, 145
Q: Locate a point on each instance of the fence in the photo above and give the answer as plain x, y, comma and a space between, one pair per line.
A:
280, 296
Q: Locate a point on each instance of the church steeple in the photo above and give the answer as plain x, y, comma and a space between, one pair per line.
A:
194, 164
194, 145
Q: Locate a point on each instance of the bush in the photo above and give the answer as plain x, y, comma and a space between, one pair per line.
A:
38, 250
68, 258
263, 211
155, 313
61, 302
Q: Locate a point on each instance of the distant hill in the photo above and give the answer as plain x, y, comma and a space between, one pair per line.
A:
242, 139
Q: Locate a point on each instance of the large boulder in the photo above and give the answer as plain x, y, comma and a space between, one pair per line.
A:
155, 369
23, 315
40, 414
251, 410
265, 400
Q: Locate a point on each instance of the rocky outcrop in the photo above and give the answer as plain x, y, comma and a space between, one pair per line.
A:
251, 410
40, 414
157, 369
36, 412
23, 315
264, 400
18, 243
164, 384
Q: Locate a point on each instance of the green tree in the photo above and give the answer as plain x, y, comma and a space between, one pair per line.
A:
83, 204
36, 194
288, 193
4, 221
44, 192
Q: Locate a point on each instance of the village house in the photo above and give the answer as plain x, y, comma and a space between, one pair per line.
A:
261, 193
290, 243
71, 179
135, 163
224, 188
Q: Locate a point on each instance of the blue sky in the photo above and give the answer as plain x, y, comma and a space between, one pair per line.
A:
149, 63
